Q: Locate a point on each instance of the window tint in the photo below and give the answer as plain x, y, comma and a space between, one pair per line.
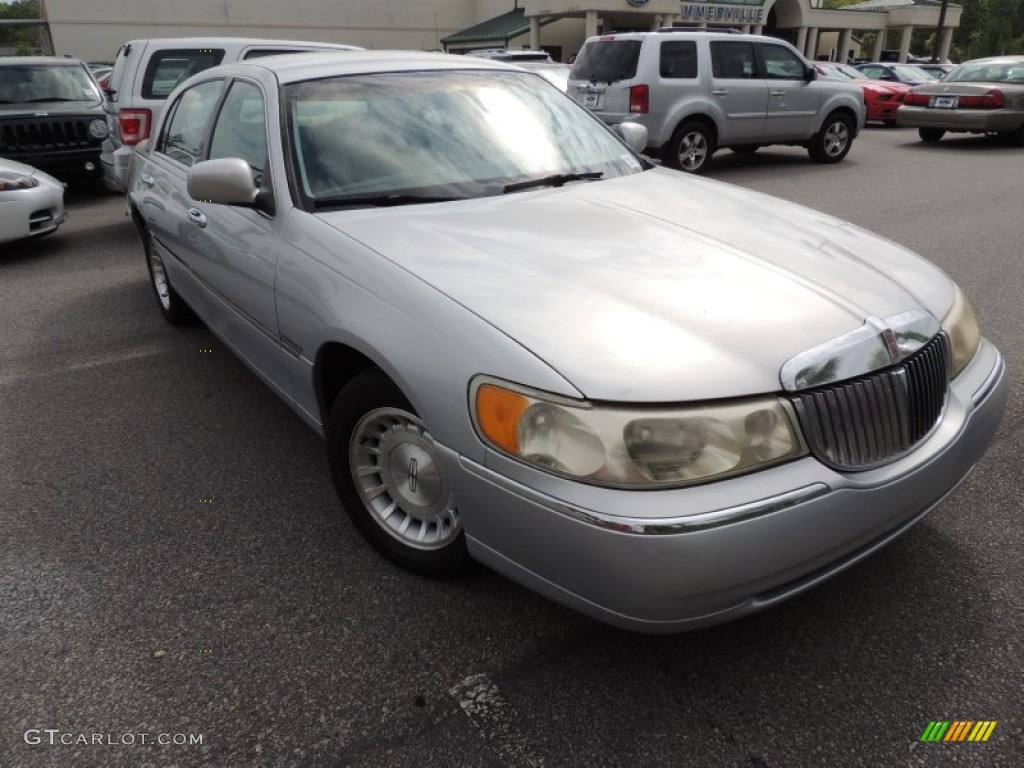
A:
259, 53
679, 59
873, 72
782, 64
241, 130
166, 69
183, 137
607, 61
733, 61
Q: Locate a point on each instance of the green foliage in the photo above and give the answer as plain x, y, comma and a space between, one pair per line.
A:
24, 40
989, 28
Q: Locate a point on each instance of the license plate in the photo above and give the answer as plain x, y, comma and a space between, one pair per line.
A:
945, 102
592, 100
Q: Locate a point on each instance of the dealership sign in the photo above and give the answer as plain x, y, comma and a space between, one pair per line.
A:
724, 12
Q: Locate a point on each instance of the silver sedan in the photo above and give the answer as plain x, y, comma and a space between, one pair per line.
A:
980, 96
664, 401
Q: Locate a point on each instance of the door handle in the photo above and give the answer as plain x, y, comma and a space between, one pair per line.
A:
147, 180
196, 216
777, 93
719, 92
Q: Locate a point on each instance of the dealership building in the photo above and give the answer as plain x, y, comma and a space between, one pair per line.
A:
94, 30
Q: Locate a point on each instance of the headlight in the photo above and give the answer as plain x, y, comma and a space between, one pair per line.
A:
98, 128
961, 326
634, 447
9, 181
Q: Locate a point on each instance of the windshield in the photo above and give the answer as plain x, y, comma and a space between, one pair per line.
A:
847, 71
988, 72
440, 135
30, 83
607, 61
911, 73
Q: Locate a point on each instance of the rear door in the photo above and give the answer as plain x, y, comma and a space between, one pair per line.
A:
602, 75
793, 101
739, 89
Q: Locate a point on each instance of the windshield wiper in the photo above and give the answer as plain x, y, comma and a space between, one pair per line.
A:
381, 200
555, 180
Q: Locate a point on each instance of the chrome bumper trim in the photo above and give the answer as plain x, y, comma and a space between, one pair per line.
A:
993, 378
649, 526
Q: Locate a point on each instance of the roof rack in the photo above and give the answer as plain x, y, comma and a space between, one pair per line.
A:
706, 30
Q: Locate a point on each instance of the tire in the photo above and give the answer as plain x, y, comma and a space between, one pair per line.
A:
745, 149
172, 306
833, 141
931, 135
385, 470
691, 147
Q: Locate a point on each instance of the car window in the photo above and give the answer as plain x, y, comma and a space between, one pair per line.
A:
678, 59
41, 83
873, 72
166, 69
607, 61
732, 61
988, 72
241, 129
259, 53
182, 139
782, 64
118, 72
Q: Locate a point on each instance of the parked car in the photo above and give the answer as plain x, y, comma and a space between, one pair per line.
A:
31, 202
51, 115
880, 97
664, 401
980, 96
938, 71
696, 92
146, 71
896, 73
512, 55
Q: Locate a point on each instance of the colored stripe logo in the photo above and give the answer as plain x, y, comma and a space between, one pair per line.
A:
958, 730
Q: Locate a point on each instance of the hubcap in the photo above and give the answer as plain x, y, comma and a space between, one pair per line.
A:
693, 150
156, 268
399, 480
835, 139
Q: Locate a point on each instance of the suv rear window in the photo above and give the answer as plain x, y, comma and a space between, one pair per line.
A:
168, 68
678, 59
607, 61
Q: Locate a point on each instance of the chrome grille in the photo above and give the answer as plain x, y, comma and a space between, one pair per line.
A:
868, 421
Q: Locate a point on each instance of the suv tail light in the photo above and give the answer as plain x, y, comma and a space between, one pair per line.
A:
134, 124
916, 99
991, 100
640, 99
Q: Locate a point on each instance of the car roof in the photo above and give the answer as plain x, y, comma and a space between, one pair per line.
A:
53, 61
221, 42
296, 67
684, 34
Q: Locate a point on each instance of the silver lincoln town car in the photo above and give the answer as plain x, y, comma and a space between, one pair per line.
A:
661, 400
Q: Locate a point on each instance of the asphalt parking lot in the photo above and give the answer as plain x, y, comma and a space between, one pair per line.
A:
173, 560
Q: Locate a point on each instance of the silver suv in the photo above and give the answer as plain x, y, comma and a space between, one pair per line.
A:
696, 92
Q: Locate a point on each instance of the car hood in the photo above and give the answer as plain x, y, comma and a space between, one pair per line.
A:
655, 287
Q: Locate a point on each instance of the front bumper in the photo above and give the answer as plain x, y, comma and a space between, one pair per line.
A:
961, 120
31, 212
668, 561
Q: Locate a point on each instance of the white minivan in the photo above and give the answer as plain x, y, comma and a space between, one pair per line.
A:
146, 71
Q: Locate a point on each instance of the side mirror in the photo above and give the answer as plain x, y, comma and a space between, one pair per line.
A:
227, 181
812, 74
634, 134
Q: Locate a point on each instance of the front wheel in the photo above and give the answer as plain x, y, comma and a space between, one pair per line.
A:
931, 135
390, 480
832, 143
172, 306
691, 147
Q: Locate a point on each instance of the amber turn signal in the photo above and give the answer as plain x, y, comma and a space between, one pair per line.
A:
497, 414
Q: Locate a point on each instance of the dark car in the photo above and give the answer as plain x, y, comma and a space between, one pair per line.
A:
51, 115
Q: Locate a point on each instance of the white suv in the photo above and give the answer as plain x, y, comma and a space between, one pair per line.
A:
698, 91
146, 71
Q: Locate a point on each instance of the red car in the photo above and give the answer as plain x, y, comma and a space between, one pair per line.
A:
881, 97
